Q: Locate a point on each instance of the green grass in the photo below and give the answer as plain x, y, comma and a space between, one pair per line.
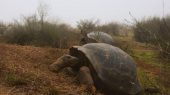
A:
147, 56
15, 80
147, 80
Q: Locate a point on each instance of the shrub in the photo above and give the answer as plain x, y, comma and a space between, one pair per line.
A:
111, 28
155, 31
31, 32
2, 28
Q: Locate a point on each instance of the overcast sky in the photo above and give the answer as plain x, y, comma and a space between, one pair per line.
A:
71, 11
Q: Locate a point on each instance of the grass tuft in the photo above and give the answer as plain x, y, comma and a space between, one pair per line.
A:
53, 91
14, 80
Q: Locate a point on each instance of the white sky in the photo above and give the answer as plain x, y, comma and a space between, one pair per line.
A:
71, 11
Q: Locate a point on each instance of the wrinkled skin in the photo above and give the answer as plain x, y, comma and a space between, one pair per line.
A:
62, 62
84, 74
86, 40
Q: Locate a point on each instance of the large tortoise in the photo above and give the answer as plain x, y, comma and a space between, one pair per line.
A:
96, 37
107, 67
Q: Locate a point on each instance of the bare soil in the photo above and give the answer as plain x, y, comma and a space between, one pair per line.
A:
30, 65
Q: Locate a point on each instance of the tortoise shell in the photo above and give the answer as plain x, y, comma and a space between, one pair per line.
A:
97, 37
114, 68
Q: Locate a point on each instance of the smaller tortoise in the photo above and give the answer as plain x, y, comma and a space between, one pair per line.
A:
108, 68
97, 37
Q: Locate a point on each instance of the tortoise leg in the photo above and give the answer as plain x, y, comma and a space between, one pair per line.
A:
70, 71
62, 62
85, 78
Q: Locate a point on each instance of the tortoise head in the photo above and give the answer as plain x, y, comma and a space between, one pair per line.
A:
69, 60
86, 40
62, 62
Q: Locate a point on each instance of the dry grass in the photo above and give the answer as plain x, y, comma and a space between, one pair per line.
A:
24, 70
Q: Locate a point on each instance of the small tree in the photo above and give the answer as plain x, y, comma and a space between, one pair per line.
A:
2, 28
111, 28
42, 13
86, 26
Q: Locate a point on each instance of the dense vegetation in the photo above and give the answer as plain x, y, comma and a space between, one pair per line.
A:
34, 31
155, 31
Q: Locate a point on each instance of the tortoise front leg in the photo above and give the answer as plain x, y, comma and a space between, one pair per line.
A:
62, 62
70, 71
85, 78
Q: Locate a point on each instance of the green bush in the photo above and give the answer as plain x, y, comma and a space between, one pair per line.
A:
32, 32
155, 31
2, 28
147, 29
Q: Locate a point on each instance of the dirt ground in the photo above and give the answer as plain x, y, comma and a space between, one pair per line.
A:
24, 71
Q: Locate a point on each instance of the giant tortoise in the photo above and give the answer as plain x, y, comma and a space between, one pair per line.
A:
96, 37
108, 68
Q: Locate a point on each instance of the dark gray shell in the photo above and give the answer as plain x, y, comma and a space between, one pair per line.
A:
99, 37
115, 68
